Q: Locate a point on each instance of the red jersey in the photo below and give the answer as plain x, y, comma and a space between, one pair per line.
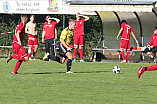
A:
153, 40
49, 29
126, 31
20, 27
79, 29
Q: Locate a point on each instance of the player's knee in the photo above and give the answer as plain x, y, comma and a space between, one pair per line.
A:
70, 57
26, 58
80, 47
75, 46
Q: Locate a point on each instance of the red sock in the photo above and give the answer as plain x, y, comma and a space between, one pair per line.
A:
127, 54
34, 53
29, 55
152, 67
81, 54
123, 55
18, 58
75, 53
17, 66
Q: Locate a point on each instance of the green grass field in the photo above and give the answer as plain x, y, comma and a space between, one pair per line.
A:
43, 82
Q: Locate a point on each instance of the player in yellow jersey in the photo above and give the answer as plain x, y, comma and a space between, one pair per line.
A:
65, 47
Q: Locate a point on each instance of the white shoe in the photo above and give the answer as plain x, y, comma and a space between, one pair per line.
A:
123, 61
69, 72
33, 57
30, 59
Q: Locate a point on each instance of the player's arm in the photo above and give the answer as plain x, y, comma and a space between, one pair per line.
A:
55, 34
26, 29
86, 17
35, 30
133, 35
56, 19
120, 31
43, 35
18, 37
64, 44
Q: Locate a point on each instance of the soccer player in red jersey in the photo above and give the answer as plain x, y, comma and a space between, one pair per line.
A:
20, 53
152, 47
49, 35
79, 35
125, 39
31, 30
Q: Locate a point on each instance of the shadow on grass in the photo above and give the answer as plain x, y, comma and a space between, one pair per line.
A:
45, 73
74, 72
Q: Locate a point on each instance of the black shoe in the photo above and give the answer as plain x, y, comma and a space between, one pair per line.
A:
9, 57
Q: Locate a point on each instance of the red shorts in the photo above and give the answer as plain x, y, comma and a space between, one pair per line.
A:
79, 40
19, 50
125, 44
33, 43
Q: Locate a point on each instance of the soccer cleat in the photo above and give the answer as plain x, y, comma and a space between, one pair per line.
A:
33, 57
45, 57
30, 59
123, 61
69, 72
15, 73
155, 59
74, 60
127, 61
9, 57
82, 61
141, 70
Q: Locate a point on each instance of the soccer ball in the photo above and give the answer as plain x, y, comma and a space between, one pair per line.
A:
116, 69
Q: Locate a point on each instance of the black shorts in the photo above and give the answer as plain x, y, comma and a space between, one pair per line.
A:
153, 50
63, 50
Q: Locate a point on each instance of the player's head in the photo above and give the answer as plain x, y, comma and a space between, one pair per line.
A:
123, 21
32, 18
24, 18
78, 15
72, 24
155, 30
48, 19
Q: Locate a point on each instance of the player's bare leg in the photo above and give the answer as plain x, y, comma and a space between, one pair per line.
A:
149, 54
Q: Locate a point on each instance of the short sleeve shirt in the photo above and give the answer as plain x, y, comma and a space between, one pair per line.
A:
126, 31
49, 29
21, 28
67, 35
79, 29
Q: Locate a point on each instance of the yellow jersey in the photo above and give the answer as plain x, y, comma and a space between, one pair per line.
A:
67, 35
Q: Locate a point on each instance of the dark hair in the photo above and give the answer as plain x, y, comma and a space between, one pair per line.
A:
24, 16
155, 28
123, 21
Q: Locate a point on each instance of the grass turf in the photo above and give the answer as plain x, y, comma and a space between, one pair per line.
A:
43, 82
